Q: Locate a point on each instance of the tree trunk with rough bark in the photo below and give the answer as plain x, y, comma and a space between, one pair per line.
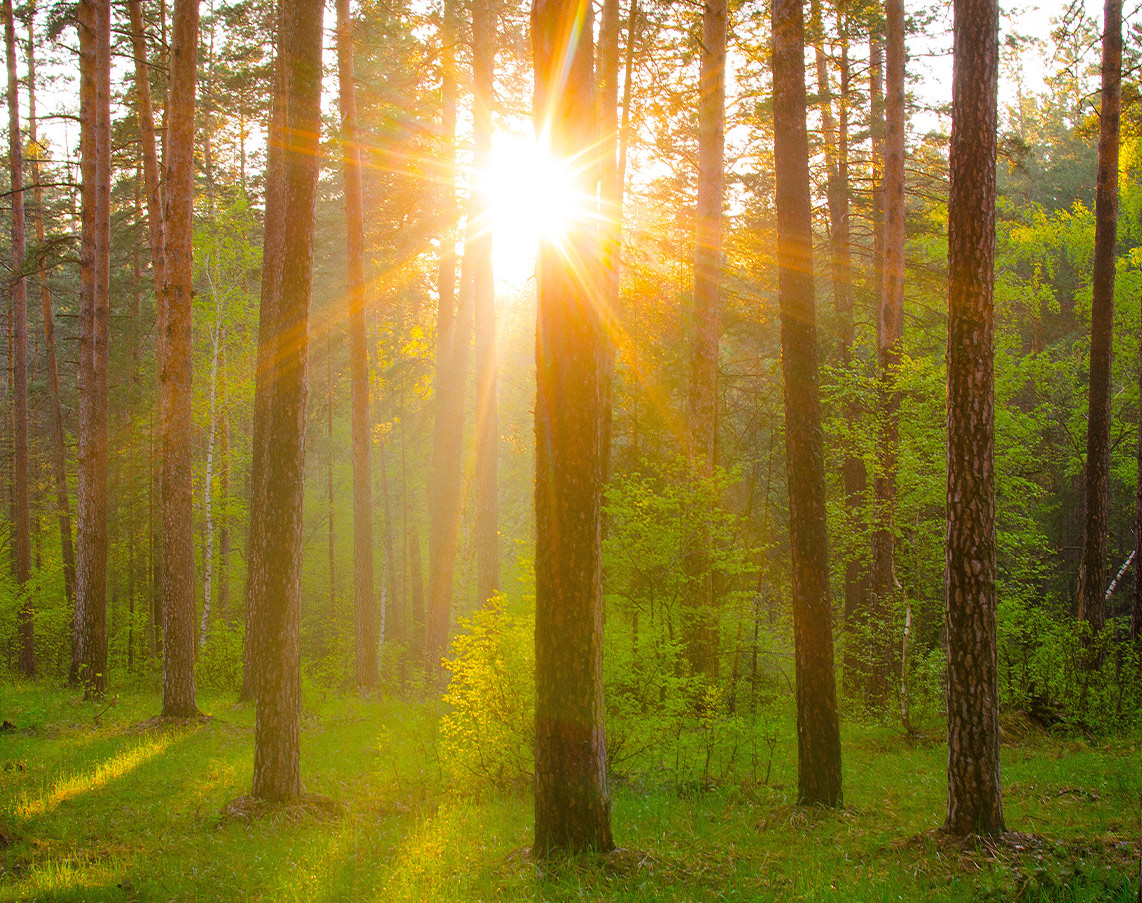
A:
179, 700
572, 801
818, 730
272, 261
89, 662
277, 773
364, 597
974, 800
21, 526
1092, 573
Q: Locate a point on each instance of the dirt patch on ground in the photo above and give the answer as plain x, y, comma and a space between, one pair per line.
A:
159, 724
305, 808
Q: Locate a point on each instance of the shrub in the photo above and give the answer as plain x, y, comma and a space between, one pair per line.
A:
487, 736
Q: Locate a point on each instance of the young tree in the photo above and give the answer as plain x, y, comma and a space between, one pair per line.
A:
1092, 573
818, 728
89, 658
175, 372
572, 803
277, 773
974, 800
21, 526
365, 604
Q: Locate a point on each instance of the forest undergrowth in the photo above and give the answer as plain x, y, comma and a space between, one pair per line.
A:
99, 802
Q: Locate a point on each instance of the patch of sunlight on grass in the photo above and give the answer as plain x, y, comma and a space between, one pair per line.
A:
67, 788
66, 878
439, 851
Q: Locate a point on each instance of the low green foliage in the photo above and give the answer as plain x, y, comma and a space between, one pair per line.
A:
98, 805
487, 735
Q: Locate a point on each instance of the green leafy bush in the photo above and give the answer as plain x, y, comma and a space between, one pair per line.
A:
487, 736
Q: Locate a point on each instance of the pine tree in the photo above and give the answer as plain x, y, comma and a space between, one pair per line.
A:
974, 801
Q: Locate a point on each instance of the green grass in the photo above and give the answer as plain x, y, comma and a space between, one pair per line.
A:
92, 807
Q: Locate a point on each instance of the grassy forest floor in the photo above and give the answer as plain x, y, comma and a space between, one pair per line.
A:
98, 804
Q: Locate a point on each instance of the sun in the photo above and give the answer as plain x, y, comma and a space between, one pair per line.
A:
532, 198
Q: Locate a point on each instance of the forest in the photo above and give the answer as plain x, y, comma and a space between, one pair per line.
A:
621, 450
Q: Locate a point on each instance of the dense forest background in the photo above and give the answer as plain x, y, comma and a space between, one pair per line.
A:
692, 688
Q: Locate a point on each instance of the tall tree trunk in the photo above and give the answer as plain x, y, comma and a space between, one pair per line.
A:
208, 479
853, 470
177, 419
150, 154
273, 251
90, 635
393, 612
702, 643
889, 333
151, 180
21, 526
487, 418
55, 408
1092, 574
223, 504
612, 176
453, 336
974, 801
708, 233
277, 773
1136, 614
572, 801
416, 596
818, 730
364, 597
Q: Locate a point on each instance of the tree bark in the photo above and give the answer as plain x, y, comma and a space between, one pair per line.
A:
21, 526
974, 800
90, 635
1136, 614
889, 333
175, 380
454, 338
150, 154
853, 470
572, 801
612, 177
1092, 573
208, 481
223, 505
818, 730
364, 597
55, 408
277, 773
273, 251
487, 418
